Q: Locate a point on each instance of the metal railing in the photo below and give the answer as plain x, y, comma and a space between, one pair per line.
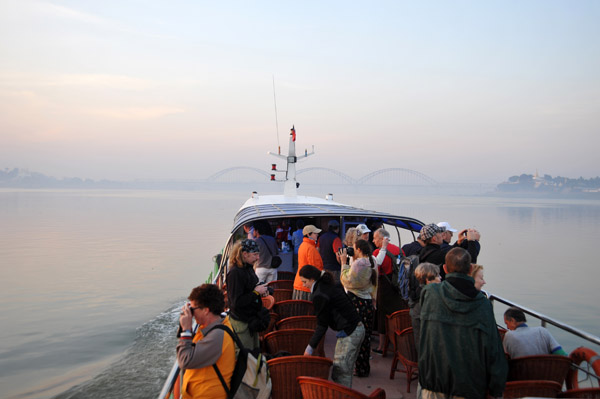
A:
547, 320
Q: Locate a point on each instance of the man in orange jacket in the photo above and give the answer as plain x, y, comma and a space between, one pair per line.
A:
308, 254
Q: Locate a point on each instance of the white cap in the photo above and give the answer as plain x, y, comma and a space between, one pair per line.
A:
362, 229
447, 226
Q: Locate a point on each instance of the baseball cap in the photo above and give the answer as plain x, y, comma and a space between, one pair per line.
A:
310, 229
362, 229
446, 226
250, 246
430, 230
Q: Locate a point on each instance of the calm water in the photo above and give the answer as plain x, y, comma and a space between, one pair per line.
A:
91, 281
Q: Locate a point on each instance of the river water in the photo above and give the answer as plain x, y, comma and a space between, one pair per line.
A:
91, 281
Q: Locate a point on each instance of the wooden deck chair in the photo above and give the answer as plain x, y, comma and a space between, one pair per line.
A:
285, 370
319, 388
281, 294
293, 341
294, 307
405, 352
532, 388
283, 275
281, 284
309, 322
397, 321
539, 367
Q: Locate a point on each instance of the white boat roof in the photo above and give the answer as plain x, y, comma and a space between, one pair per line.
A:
280, 206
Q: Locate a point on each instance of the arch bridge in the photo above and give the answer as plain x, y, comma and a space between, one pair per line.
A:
316, 175
402, 176
234, 174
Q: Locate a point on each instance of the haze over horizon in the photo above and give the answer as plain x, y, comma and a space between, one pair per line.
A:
463, 91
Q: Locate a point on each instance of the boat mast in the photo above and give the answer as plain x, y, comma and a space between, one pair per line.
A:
291, 185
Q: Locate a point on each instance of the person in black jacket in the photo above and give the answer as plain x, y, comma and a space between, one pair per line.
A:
432, 252
244, 293
467, 239
334, 309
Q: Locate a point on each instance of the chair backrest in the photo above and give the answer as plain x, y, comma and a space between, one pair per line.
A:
283, 275
397, 321
318, 388
281, 294
261, 335
309, 322
281, 284
502, 331
539, 367
593, 393
285, 370
293, 341
405, 346
532, 388
294, 307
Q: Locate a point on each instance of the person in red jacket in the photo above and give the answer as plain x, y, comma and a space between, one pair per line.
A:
388, 299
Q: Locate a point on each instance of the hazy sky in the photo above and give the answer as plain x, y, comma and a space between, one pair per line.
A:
458, 90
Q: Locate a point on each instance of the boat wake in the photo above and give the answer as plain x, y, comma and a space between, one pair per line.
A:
142, 369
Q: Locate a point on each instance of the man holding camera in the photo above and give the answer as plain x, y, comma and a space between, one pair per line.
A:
467, 239
197, 354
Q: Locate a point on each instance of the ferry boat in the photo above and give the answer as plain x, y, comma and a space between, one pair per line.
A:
585, 363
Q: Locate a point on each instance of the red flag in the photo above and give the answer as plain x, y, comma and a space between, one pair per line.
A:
293, 133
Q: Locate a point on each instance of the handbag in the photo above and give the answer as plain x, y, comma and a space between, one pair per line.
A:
275, 259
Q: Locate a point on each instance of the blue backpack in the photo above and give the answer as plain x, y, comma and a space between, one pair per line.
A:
403, 270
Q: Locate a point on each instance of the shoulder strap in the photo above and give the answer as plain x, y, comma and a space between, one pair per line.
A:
238, 342
393, 257
229, 331
227, 391
267, 245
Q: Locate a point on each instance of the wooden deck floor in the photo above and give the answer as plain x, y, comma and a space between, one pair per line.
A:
380, 373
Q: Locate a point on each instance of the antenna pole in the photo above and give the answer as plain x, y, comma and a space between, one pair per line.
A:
276, 121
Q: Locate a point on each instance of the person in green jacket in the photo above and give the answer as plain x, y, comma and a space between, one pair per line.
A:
460, 350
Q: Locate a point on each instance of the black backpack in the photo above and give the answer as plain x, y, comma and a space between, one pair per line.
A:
250, 376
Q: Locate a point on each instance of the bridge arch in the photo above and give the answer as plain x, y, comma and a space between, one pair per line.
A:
233, 169
345, 177
398, 171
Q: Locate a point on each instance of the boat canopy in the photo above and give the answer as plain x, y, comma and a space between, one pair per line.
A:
277, 207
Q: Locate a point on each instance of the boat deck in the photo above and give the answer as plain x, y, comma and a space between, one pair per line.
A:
380, 373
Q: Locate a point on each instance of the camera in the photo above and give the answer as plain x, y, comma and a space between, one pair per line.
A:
350, 251
180, 329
